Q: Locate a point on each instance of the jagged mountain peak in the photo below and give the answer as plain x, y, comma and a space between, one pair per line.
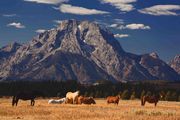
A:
11, 47
75, 36
83, 51
154, 55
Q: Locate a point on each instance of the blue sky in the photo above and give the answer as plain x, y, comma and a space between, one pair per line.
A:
141, 26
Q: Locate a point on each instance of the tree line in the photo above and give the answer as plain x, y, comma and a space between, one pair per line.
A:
101, 89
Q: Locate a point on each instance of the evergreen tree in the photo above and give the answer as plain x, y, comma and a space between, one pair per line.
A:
162, 97
143, 93
133, 96
86, 94
97, 94
179, 98
168, 96
125, 95
148, 93
174, 96
92, 94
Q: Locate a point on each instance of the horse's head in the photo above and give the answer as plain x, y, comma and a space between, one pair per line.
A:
118, 96
77, 92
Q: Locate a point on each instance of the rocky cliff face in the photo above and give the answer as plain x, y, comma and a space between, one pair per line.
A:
175, 63
6, 54
80, 51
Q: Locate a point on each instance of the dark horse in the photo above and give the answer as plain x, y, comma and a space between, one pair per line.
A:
31, 95
150, 99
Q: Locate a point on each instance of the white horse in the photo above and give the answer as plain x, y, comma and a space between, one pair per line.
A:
72, 96
60, 101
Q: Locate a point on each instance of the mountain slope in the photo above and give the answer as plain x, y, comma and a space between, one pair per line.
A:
81, 51
175, 63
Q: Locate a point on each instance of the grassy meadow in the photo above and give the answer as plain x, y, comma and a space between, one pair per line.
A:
126, 110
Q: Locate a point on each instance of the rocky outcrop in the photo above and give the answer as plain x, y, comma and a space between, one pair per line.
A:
175, 63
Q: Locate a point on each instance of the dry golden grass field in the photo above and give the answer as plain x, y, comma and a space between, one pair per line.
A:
126, 110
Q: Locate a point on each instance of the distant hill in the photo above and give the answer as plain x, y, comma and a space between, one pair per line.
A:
79, 50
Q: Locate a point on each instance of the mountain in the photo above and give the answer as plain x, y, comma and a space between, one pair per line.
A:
175, 63
79, 50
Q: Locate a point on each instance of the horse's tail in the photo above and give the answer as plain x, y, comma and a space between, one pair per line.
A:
142, 100
13, 100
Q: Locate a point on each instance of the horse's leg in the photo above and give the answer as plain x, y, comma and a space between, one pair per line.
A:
155, 104
13, 100
142, 102
12, 103
16, 101
73, 100
32, 102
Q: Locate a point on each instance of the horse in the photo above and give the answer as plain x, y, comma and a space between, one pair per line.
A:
150, 99
28, 95
113, 99
69, 101
60, 101
72, 96
86, 100
80, 99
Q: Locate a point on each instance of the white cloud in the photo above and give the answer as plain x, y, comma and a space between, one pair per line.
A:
56, 8
132, 26
121, 35
16, 25
161, 10
48, 1
66, 8
9, 15
135, 26
114, 25
123, 5
40, 31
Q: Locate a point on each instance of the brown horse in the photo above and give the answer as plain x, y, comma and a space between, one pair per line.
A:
86, 100
113, 99
150, 99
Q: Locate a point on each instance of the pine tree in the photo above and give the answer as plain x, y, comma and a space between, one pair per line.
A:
179, 98
86, 94
92, 94
143, 93
148, 93
174, 96
97, 94
133, 96
168, 96
125, 95
162, 97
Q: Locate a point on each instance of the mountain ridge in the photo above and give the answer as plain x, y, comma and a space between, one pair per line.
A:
83, 51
